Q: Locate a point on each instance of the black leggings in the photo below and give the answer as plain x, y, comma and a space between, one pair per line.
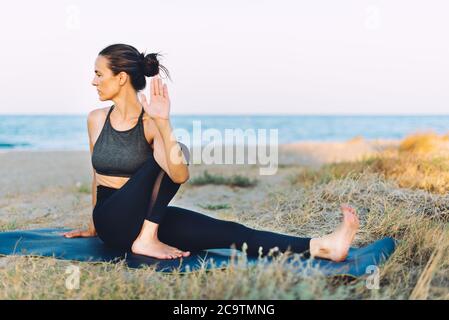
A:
119, 214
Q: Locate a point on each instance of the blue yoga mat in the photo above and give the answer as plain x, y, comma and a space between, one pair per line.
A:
49, 242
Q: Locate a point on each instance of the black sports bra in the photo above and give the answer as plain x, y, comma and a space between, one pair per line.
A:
120, 153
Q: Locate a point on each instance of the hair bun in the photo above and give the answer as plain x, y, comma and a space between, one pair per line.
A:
150, 64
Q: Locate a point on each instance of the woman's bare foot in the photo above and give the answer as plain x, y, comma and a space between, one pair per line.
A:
148, 244
335, 246
155, 248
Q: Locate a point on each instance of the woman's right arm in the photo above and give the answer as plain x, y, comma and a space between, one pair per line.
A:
90, 232
94, 201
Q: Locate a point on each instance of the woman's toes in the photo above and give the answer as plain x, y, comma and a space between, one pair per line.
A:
350, 217
347, 217
175, 253
348, 209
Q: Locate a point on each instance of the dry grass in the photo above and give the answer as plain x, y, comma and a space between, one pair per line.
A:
46, 278
400, 193
423, 143
418, 268
420, 162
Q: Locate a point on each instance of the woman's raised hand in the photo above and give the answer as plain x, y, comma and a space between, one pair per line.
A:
159, 106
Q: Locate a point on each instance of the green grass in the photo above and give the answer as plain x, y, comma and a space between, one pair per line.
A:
10, 225
215, 206
232, 181
83, 188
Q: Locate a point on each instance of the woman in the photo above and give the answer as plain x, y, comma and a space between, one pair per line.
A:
139, 166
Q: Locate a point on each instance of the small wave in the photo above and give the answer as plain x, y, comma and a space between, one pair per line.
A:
6, 145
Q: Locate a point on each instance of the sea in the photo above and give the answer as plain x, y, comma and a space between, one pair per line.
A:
69, 132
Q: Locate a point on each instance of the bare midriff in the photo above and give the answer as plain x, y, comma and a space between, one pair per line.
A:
110, 181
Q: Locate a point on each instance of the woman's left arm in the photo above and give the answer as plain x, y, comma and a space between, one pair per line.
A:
165, 145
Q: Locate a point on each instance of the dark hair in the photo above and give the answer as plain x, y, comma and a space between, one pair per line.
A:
123, 57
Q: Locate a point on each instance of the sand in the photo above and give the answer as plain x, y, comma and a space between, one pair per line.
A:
52, 188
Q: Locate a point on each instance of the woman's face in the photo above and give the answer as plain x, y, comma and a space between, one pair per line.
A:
107, 84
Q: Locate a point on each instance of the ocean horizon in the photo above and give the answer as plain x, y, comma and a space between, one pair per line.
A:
69, 132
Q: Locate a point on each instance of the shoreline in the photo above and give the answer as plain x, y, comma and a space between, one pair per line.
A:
377, 141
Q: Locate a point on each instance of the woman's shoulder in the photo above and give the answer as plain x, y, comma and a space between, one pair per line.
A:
97, 117
95, 120
98, 113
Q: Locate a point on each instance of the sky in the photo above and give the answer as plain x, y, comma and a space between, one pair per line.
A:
234, 57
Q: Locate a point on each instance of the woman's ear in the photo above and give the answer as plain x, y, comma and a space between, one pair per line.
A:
123, 77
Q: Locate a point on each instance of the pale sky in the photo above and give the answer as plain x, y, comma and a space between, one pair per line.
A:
234, 56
